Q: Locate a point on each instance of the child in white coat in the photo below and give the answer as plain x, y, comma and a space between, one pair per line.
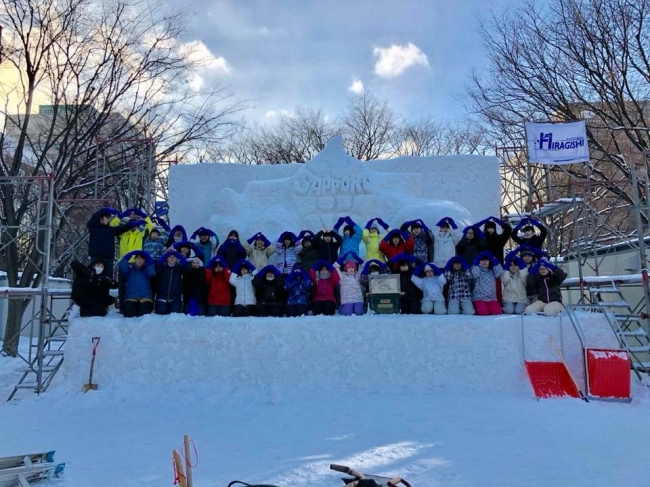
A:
242, 280
514, 286
432, 286
444, 241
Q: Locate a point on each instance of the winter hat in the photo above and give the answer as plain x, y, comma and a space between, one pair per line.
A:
155, 230
526, 252
428, 268
543, 262
527, 228
203, 231
490, 224
350, 264
415, 225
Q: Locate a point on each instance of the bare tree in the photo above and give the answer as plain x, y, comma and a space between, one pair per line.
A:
568, 60
426, 137
369, 127
114, 70
294, 137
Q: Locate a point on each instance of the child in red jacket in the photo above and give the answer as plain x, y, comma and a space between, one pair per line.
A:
217, 275
395, 243
325, 280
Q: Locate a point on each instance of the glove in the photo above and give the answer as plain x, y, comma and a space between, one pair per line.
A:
339, 222
405, 226
369, 224
495, 261
382, 223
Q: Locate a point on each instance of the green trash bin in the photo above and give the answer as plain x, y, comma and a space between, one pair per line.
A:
384, 303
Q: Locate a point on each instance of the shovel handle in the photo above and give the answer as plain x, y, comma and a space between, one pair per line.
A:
95, 341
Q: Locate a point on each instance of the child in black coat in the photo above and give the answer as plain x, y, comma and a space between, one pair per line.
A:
195, 288
169, 283
269, 291
91, 288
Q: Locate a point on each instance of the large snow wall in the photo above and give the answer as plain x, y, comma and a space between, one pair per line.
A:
319, 356
274, 198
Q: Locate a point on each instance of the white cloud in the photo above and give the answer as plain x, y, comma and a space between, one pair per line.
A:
357, 86
198, 53
283, 113
270, 114
395, 60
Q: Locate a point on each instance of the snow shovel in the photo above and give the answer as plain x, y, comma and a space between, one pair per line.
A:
90, 386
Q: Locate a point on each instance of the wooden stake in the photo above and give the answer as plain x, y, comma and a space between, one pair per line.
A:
188, 460
182, 480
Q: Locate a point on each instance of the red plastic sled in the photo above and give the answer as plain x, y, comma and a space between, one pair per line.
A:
551, 379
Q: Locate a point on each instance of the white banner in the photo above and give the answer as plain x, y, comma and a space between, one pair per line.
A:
557, 143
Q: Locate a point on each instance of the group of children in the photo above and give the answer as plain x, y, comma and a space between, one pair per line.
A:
441, 271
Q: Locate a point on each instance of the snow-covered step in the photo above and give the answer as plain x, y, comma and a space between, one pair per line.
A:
620, 317
605, 289
58, 338
45, 369
641, 365
640, 332
640, 349
53, 353
613, 304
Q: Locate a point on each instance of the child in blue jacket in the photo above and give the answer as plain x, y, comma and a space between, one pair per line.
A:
352, 235
136, 271
299, 287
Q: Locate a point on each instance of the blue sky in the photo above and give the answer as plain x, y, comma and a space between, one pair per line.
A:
280, 54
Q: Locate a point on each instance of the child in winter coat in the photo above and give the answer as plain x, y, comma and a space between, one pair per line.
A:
396, 242
529, 237
372, 237
245, 300
169, 283
91, 288
231, 249
410, 294
351, 291
137, 276
549, 278
352, 235
459, 290
445, 240
325, 280
432, 285
494, 241
206, 241
298, 287
195, 288
101, 237
176, 234
529, 255
514, 286
187, 250
269, 292
328, 243
422, 239
286, 252
485, 272
217, 277
259, 249
153, 244
308, 254
133, 238
471, 245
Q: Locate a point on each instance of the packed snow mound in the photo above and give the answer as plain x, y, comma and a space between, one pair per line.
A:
280, 359
275, 198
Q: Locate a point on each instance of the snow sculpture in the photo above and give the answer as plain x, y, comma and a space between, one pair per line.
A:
313, 195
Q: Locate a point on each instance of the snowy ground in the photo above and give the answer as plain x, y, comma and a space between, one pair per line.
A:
472, 429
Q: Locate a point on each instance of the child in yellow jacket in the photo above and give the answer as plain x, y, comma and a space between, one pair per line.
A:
132, 239
372, 237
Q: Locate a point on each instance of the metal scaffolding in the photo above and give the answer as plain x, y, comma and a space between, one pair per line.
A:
53, 235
